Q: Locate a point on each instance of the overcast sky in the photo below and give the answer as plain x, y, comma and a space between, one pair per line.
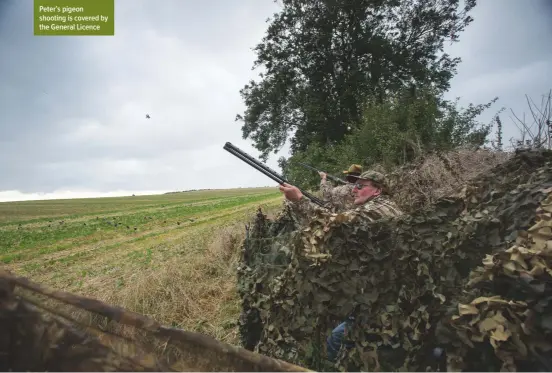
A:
72, 109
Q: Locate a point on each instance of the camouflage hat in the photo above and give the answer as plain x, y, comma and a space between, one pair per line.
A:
354, 169
376, 177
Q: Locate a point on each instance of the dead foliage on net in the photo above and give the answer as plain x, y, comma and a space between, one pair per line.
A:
38, 335
398, 277
505, 321
419, 184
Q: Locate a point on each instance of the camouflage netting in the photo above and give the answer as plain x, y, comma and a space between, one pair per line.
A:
505, 321
38, 333
262, 260
402, 280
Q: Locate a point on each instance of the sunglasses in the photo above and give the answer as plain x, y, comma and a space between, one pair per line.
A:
360, 186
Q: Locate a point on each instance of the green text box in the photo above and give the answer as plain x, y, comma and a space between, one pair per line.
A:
74, 17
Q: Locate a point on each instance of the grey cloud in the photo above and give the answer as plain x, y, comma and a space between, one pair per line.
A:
504, 53
213, 26
37, 75
507, 34
72, 109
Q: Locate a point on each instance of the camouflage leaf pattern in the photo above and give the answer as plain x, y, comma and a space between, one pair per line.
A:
506, 318
340, 197
401, 278
304, 212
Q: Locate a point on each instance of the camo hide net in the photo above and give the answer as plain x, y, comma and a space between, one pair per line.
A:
414, 285
508, 306
263, 258
47, 330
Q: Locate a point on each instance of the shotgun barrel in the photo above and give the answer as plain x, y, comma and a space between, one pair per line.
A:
238, 153
331, 177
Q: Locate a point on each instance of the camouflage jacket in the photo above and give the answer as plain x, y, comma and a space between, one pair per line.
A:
377, 208
340, 197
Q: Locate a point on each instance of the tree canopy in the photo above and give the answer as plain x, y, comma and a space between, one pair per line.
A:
325, 59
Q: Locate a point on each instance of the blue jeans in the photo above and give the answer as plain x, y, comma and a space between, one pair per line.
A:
336, 339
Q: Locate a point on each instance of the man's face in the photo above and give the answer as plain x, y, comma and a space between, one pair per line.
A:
364, 190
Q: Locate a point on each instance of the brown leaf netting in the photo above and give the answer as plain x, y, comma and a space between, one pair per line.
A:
40, 331
508, 306
403, 281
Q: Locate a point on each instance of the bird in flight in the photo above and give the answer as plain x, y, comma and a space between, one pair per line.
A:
147, 116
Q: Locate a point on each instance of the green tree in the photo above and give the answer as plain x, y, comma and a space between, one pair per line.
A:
325, 58
394, 132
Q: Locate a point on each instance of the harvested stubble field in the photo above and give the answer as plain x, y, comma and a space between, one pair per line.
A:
171, 256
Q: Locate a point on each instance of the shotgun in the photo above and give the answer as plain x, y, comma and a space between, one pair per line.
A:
238, 153
331, 177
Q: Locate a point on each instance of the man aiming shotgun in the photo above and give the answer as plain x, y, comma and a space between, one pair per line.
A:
337, 199
238, 153
340, 198
371, 202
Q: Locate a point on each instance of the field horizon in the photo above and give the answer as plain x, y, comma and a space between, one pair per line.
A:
169, 256
125, 194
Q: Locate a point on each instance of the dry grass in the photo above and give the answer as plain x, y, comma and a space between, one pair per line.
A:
417, 185
181, 275
195, 293
194, 288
